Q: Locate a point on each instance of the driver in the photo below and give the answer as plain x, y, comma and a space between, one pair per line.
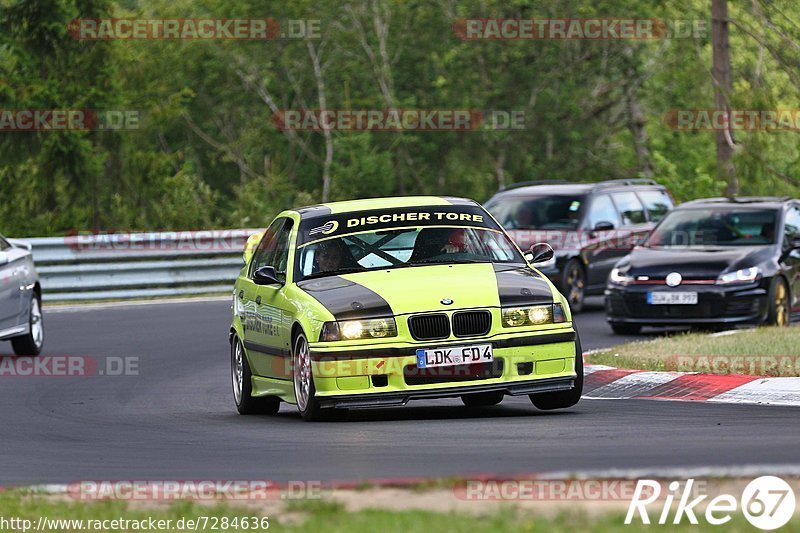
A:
456, 242
523, 217
333, 255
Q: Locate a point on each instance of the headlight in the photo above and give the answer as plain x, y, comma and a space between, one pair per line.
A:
373, 328
745, 275
618, 277
514, 317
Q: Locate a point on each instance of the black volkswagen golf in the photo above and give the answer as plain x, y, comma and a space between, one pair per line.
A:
714, 262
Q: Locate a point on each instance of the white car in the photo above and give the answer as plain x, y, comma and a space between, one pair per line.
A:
20, 298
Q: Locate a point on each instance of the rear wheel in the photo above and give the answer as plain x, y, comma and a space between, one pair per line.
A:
482, 399
780, 304
563, 399
626, 329
573, 285
31, 343
241, 378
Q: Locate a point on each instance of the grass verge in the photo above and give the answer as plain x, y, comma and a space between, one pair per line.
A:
766, 351
331, 517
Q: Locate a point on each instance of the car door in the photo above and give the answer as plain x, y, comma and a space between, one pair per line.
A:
269, 336
12, 266
247, 294
791, 256
602, 226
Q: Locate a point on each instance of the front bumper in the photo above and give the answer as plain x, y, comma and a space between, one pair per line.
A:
716, 305
387, 399
376, 376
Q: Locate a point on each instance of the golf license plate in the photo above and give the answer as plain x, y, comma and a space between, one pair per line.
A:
671, 298
454, 355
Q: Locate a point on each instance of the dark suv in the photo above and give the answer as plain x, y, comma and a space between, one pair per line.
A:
590, 226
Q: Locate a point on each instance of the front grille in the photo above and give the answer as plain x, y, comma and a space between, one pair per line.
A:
708, 306
742, 306
450, 374
469, 323
429, 327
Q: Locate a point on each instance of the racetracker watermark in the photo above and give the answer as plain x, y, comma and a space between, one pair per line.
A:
733, 119
211, 490
25, 120
68, 366
397, 120
578, 239
547, 490
754, 365
123, 241
251, 29
578, 29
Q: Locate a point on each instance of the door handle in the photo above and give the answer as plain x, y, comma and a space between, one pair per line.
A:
258, 300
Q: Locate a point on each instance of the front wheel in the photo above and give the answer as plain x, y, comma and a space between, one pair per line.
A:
241, 377
31, 343
779, 304
563, 399
304, 389
573, 285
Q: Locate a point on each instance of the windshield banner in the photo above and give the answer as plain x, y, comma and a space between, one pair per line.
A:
336, 225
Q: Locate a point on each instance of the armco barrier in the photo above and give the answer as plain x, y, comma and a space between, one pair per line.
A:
102, 266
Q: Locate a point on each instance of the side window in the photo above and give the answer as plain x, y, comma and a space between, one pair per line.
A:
602, 210
657, 203
265, 252
791, 226
4, 244
630, 207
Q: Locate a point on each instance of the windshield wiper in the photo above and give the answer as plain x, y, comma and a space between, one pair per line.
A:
337, 272
447, 262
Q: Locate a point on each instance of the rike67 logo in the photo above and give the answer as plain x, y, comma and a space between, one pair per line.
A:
767, 502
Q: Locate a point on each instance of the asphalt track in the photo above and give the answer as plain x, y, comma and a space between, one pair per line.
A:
175, 419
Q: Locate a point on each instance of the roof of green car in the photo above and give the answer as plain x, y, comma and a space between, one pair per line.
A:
380, 203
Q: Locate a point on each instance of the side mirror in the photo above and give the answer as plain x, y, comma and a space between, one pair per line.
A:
541, 252
266, 275
251, 245
603, 225
3, 258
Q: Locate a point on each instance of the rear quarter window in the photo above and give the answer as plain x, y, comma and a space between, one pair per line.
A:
629, 207
656, 202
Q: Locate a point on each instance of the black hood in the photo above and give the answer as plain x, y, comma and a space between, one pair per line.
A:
520, 285
694, 263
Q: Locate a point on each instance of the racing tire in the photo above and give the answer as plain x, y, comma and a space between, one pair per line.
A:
31, 343
241, 378
573, 284
303, 380
626, 329
562, 399
483, 399
780, 309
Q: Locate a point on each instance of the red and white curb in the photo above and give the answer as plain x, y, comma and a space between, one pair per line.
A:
608, 383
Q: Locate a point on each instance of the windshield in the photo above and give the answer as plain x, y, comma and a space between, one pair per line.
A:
715, 227
537, 212
404, 248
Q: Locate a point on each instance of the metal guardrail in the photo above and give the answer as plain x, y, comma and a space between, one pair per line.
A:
104, 266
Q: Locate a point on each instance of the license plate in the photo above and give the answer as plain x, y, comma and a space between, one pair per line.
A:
454, 355
672, 298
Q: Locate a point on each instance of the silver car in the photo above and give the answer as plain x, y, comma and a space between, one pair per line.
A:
20, 298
